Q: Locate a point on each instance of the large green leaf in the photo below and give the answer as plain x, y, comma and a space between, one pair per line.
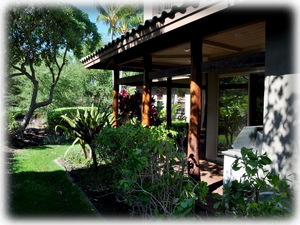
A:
71, 122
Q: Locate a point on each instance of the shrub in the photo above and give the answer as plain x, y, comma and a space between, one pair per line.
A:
180, 126
148, 171
11, 124
12, 114
130, 108
247, 198
54, 116
75, 159
174, 112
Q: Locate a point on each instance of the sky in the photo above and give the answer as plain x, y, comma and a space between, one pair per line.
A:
93, 13
88, 6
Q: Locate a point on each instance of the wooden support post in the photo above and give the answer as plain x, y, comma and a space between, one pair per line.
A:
116, 74
196, 108
169, 102
146, 98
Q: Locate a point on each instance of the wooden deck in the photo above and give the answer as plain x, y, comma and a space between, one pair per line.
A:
212, 173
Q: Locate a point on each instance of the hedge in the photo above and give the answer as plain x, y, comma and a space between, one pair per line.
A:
179, 126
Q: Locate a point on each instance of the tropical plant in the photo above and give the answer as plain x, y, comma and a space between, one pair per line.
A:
259, 193
84, 127
130, 108
131, 20
44, 36
54, 116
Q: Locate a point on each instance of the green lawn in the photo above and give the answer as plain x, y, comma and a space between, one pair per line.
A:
222, 141
39, 187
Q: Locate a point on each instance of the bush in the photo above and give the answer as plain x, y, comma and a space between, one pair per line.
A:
54, 116
259, 192
180, 126
130, 108
174, 113
75, 159
147, 171
12, 114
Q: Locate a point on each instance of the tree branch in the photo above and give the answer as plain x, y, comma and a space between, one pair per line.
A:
31, 61
49, 100
55, 80
18, 68
15, 75
60, 67
22, 72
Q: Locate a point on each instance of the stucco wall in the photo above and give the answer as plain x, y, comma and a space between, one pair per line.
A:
280, 122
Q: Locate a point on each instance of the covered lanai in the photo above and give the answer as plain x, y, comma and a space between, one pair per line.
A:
199, 44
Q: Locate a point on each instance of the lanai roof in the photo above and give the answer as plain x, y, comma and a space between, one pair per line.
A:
166, 37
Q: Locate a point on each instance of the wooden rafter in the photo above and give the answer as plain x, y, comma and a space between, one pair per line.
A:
222, 46
249, 60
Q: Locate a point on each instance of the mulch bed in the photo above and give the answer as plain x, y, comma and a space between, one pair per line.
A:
104, 201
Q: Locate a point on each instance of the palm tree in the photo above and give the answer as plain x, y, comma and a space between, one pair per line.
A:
130, 21
120, 17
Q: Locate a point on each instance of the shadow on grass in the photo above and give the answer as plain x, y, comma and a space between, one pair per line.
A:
45, 194
96, 186
39, 148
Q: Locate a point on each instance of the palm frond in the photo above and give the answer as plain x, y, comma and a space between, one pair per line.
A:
120, 17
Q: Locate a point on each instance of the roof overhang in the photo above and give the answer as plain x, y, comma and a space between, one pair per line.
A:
226, 32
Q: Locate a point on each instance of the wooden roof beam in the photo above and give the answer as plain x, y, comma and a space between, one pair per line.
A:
250, 60
222, 46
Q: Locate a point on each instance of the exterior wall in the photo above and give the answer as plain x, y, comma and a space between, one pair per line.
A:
280, 122
280, 98
229, 174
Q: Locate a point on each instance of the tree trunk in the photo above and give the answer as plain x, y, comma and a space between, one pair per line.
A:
227, 138
231, 138
94, 156
33, 106
27, 118
31, 109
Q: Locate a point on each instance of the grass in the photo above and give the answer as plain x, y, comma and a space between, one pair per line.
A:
39, 187
222, 141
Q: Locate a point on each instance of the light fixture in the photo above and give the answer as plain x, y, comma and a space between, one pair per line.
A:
186, 49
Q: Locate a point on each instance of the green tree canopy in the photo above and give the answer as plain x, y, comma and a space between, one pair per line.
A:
76, 87
44, 36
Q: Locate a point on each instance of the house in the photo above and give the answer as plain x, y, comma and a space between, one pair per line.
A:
202, 43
